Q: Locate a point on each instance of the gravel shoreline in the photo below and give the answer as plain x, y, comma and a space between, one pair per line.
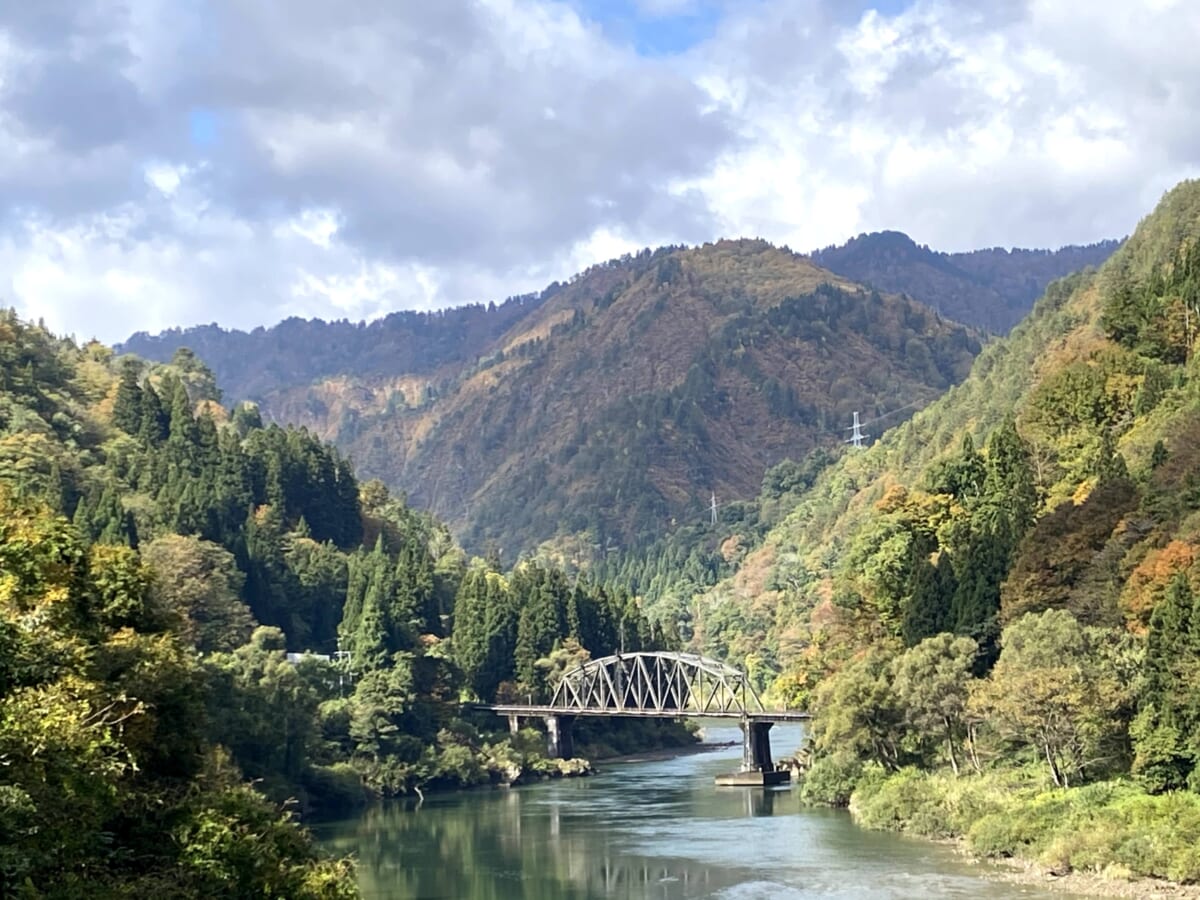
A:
1093, 884
1087, 884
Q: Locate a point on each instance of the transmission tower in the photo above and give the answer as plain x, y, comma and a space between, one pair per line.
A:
713, 508
858, 437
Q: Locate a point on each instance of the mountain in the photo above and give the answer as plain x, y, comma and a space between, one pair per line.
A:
612, 407
1060, 475
988, 289
253, 365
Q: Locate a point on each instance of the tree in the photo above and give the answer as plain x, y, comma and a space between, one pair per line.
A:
200, 582
1166, 731
932, 683
127, 406
855, 711
1050, 692
261, 707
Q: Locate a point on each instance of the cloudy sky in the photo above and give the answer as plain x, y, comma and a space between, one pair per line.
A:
173, 162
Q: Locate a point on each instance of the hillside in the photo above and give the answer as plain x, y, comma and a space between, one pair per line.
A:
1058, 475
616, 405
988, 289
993, 614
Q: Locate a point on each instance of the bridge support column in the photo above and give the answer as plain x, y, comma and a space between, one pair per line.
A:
514, 724
758, 768
756, 746
559, 743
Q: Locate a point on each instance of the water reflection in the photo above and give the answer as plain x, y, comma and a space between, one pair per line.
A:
648, 830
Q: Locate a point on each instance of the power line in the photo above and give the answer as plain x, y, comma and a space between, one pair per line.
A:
898, 409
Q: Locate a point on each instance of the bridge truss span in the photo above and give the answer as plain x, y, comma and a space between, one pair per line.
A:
661, 686
664, 684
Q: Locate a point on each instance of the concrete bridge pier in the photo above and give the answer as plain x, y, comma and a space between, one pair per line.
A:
758, 768
756, 746
559, 742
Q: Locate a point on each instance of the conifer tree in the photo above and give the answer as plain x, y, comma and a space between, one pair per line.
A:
155, 422
127, 406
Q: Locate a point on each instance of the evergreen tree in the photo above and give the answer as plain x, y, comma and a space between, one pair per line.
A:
182, 428
155, 421
127, 407
931, 594
1166, 740
525, 655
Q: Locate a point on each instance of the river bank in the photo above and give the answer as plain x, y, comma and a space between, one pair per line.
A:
1106, 838
1025, 872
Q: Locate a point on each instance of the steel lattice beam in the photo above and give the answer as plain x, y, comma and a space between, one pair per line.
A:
656, 684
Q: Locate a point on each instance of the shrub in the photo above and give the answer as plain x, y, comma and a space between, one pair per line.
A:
832, 779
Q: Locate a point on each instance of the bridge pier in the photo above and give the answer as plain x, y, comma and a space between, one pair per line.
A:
758, 768
756, 746
559, 742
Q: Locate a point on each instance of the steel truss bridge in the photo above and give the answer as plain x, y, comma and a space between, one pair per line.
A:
656, 686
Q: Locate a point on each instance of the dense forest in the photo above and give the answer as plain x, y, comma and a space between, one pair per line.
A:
988, 289
160, 555
993, 612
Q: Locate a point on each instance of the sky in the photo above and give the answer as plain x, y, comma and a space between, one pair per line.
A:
176, 162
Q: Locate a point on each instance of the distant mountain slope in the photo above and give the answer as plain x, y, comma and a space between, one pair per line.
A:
988, 289
251, 365
614, 406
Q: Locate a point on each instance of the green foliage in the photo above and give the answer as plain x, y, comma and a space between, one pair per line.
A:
1057, 692
235, 843
103, 788
932, 683
832, 778
1166, 731
1111, 826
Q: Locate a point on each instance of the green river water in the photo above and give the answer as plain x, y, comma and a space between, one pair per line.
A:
655, 829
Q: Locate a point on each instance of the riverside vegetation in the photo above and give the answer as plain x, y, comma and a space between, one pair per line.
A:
159, 555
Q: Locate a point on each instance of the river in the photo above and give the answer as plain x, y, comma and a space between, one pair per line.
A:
654, 829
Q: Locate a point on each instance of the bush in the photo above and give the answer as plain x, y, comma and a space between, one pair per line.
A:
1111, 827
910, 800
832, 779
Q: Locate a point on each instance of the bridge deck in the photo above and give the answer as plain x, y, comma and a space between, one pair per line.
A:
786, 715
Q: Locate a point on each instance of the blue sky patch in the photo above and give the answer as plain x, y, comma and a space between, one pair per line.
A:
650, 35
202, 127
625, 21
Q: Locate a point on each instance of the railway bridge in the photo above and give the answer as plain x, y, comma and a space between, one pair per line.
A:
661, 686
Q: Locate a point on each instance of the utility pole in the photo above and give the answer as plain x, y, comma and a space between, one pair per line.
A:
858, 437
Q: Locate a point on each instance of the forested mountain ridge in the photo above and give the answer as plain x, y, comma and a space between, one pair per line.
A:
1091, 382
988, 289
617, 404
424, 346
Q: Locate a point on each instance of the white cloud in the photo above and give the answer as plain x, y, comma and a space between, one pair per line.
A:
418, 155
